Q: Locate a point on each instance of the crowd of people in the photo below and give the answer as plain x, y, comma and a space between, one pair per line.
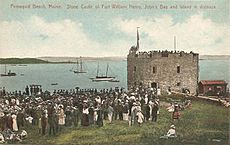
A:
51, 112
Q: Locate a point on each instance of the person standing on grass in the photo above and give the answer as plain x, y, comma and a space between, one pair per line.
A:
9, 121
85, 115
110, 111
120, 110
20, 119
68, 116
126, 111
14, 121
148, 112
133, 114
91, 114
2, 121
56, 119
61, 120
140, 117
115, 106
51, 121
76, 116
99, 117
44, 123
176, 113
155, 109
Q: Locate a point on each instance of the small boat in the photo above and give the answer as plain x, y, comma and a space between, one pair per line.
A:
102, 77
114, 80
9, 74
22, 65
54, 84
22, 74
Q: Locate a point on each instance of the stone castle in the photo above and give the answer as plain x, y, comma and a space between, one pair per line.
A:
176, 70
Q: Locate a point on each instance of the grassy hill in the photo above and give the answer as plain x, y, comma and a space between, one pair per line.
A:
203, 124
21, 61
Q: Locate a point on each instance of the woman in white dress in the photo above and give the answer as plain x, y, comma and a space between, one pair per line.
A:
140, 117
61, 120
14, 120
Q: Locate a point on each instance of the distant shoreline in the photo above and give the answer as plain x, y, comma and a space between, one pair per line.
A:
59, 60
214, 57
27, 61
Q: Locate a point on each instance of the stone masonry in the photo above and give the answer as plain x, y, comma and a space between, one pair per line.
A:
163, 69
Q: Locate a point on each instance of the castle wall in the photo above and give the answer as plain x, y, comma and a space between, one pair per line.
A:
166, 74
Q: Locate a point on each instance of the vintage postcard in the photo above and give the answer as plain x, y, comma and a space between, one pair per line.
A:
114, 72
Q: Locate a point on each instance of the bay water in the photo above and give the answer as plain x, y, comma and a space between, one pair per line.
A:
60, 73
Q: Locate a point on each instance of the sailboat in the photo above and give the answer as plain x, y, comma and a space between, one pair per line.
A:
8, 74
79, 67
102, 77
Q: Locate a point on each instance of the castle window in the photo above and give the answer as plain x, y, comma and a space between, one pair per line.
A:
135, 68
154, 70
178, 69
178, 84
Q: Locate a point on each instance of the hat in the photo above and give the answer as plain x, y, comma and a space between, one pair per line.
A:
1, 114
172, 126
132, 97
61, 106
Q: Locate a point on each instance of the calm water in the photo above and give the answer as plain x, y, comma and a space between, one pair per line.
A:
46, 74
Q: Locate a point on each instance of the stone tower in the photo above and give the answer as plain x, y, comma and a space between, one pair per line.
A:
163, 69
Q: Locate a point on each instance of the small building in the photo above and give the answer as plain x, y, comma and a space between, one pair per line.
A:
213, 87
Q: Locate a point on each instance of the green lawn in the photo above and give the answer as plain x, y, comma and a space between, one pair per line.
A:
204, 123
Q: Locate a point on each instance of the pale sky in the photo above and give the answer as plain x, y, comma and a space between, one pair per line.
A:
111, 32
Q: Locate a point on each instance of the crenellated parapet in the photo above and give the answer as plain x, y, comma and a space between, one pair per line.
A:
157, 54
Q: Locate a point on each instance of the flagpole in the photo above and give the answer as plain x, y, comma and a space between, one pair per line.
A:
138, 38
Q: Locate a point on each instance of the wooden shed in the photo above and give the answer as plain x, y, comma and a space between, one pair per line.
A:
213, 87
